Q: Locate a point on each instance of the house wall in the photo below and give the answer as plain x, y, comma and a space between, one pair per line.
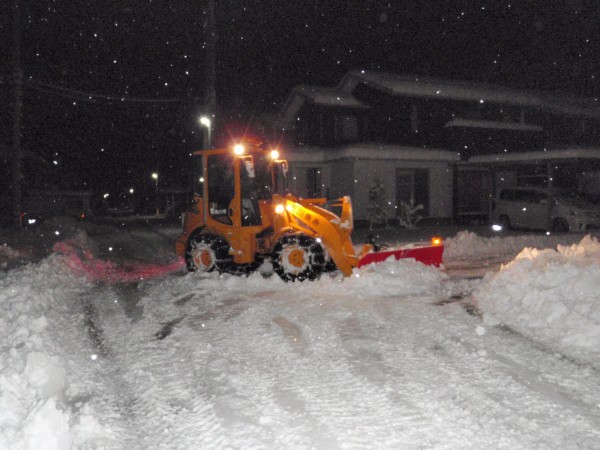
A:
322, 125
354, 177
342, 178
416, 120
366, 171
413, 120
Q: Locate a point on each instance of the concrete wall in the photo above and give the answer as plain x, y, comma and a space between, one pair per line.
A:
366, 171
342, 178
355, 177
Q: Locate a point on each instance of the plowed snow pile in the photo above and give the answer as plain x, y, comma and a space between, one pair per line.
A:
33, 367
468, 245
552, 296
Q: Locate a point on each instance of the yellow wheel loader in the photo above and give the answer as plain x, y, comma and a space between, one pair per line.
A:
241, 215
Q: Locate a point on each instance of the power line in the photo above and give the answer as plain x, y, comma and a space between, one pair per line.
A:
75, 94
48, 91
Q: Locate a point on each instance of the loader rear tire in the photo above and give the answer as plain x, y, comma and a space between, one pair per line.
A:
298, 257
208, 252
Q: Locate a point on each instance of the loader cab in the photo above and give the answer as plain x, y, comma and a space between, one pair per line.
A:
233, 195
236, 183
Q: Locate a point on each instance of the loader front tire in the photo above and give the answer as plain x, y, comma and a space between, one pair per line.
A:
207, 252
298, 257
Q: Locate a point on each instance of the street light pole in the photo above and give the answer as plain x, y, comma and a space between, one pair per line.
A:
206, 137
17, 115
155, 178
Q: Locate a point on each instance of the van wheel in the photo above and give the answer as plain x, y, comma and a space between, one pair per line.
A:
298, 257
504, 222
560, 226
207, 252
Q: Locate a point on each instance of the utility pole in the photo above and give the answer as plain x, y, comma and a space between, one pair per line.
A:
210, 78
17, 151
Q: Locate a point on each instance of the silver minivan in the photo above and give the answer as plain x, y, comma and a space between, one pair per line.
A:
543, 209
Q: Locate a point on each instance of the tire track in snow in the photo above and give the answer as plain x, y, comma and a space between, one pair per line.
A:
497, 382
244, 377
247, 409
441, 381
158, 389
315, 382
533, 381
95, 332
281, 371
383, 349
78, 333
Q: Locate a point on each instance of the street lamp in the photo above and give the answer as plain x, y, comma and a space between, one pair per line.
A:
155, 178
206, 138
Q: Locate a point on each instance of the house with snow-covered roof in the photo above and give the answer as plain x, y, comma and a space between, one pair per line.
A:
439, 143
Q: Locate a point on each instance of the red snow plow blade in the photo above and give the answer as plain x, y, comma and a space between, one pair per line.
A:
430, 254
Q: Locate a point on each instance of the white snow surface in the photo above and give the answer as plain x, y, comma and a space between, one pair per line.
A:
560, 306
399, 355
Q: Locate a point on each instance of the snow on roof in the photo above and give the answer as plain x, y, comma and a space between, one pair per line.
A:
419, 86
319, 95
469, 123
544, 155
329, 96
370, 151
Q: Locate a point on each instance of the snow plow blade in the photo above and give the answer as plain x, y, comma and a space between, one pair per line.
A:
430, 255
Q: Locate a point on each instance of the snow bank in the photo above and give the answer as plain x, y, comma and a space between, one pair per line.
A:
552, 296
8, 254
398, 278
390, 278
468, 245
33, 378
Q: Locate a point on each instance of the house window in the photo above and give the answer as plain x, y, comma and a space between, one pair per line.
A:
346, 129
412, 188
314, 182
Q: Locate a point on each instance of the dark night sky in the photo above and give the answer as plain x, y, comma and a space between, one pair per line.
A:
146, 60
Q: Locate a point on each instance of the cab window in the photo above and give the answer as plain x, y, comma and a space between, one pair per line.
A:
221, 187
255, 184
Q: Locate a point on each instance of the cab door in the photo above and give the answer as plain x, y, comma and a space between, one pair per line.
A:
220, 190
233, 210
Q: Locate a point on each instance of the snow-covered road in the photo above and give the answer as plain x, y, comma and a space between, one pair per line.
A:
397, 356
